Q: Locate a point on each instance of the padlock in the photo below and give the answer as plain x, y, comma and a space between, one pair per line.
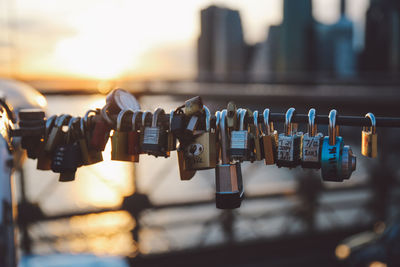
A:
94, 156
201, 153
171, 143
269, 139
289, 144
134, 137
155, 137
256, 138
240, 139
337, 159
146, 121
228, 176
57, 134
119, 140
231, 117
217, 134
100, 134
184, 172
67, 157
120, 99
312, 144
44, 158
193, 106
28, 119
178, 123
369, 139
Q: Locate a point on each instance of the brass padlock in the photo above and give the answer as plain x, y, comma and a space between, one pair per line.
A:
201, 153
256, 137
119, 140
369, 139
269, 138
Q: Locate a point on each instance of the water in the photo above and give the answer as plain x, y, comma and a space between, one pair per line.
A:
106, 184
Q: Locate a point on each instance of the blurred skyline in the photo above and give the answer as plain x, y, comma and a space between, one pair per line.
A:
129, 39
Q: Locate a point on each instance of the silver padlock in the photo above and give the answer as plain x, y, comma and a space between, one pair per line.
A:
240, 139
228, 176
312, 144
337, 159
289, 144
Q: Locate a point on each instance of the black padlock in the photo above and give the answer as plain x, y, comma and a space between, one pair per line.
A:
67, 157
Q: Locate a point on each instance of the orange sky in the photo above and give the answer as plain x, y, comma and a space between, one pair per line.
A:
110, 39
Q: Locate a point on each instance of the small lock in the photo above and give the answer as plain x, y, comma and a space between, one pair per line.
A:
240, 140
44, 158
119, 140
289, 144
93, 155
155, 138
119, 99
201, 152
184, 172
56, 135
369, 139
193, 106
67, 157
228, 177
256, 138
269, 139
231, 117
337, 159
312, 144
171, 143
134, 137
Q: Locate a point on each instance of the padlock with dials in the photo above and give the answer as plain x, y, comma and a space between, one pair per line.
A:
155, 138
67, 157
312, 144
240, 140
369, 139
228, 176
289, 144
201, 153
269, 139
337, 159
44, 158
119, 140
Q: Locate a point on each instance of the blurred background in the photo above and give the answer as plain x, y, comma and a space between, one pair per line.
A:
260, 53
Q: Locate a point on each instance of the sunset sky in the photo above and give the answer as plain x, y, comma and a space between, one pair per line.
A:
109, 39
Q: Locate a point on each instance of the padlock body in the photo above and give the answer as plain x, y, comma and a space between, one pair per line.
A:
95, 156
229, 186
184, 172
155, 142
133, 143
84, 150
289, 150
119, 146
240, 147
68, 176
269, 149
43, 159
311, 156
66, 158
201, 153
331, 160
369, 144
100, 135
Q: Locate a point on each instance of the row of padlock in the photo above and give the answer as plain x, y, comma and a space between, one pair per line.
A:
223, 142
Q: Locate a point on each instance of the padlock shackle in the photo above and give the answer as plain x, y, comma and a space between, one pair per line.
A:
267, 123
288, 121
105, 116
49, 124
224, 137
62, 120
255, 120
333, 129
70, 128
121, 115
242, 115
156, 116
217, 119
371, 116
208, 118
312, 127
85, 119
137, 114
145, 116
